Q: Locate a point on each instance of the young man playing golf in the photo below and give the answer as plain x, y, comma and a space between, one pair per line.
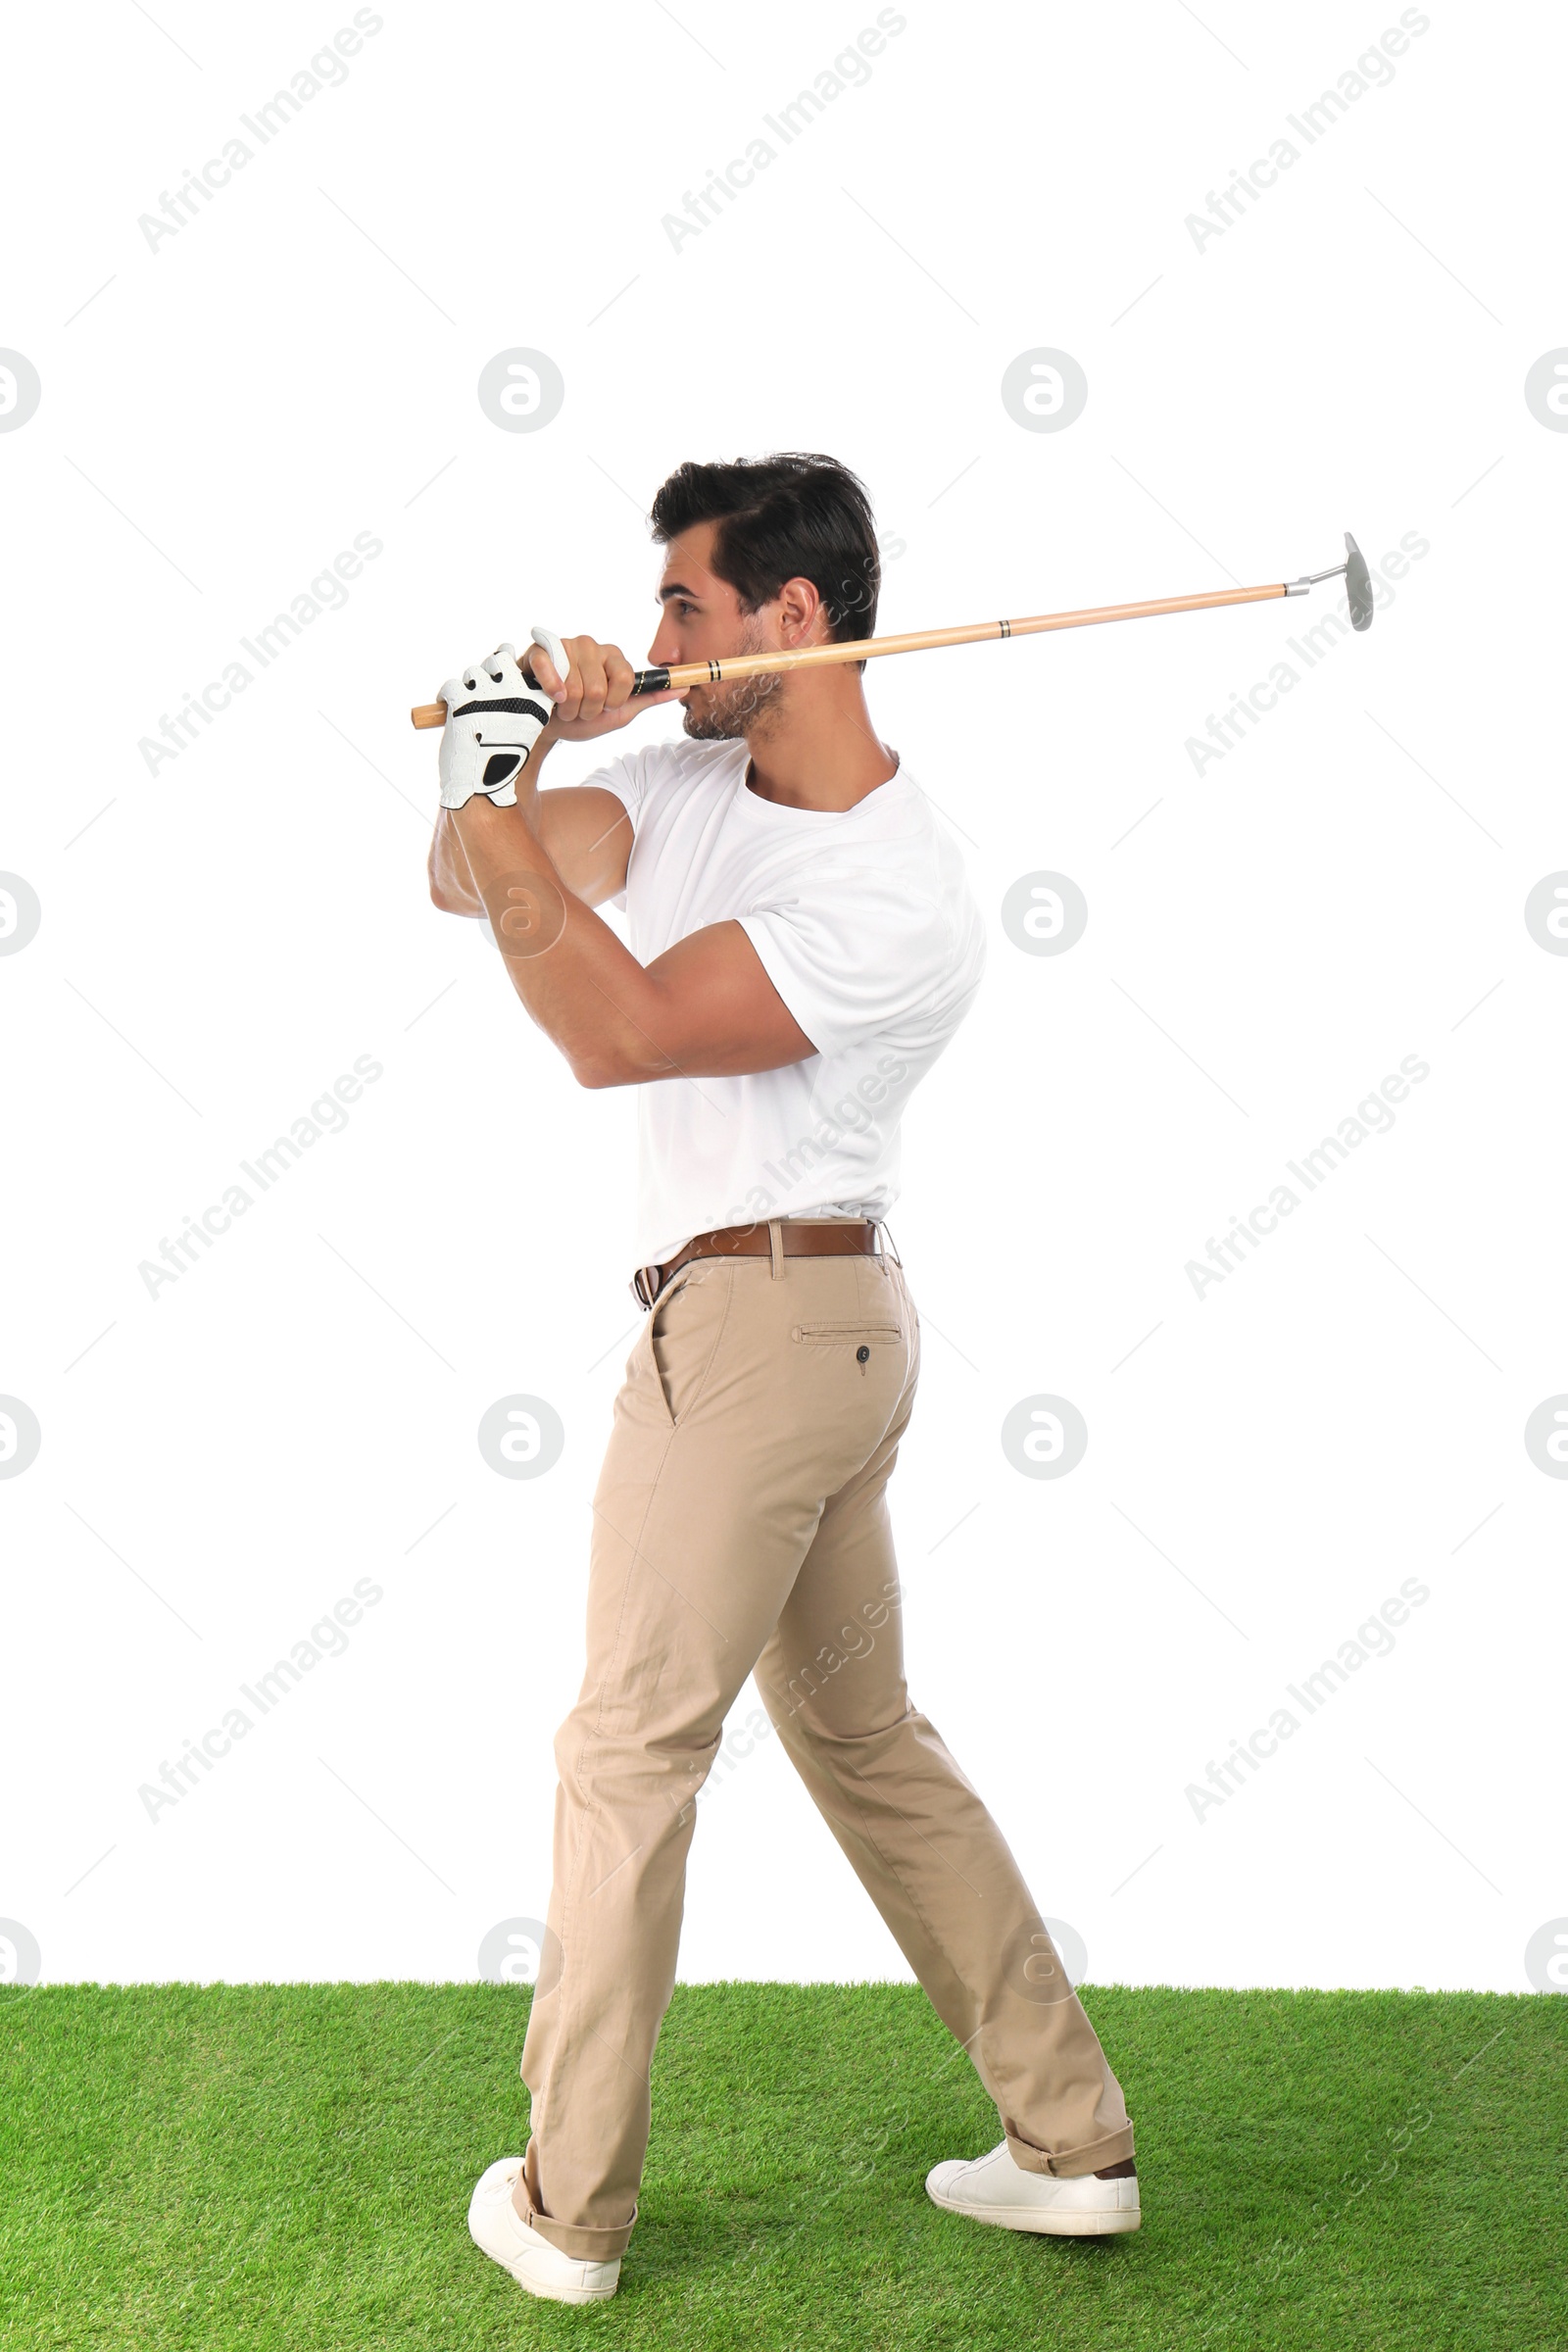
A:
802, 946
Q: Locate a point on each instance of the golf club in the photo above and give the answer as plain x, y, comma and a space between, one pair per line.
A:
1357, 589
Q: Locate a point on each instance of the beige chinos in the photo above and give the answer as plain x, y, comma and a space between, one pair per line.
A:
741, 1521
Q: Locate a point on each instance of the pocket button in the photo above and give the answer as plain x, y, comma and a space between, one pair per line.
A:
862, 1355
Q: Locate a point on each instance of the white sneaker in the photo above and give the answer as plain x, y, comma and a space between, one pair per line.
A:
993, 2188
498, 2229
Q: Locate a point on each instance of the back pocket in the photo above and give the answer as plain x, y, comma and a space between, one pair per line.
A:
845, 1335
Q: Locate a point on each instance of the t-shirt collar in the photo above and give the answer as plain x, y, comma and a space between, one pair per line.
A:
783, 811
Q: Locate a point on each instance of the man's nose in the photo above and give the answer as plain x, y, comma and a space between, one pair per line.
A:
665, 647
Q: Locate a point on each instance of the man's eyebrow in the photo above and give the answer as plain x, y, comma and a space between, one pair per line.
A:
675, 588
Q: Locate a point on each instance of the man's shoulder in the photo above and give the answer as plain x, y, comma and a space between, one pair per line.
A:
902, 868
680, 763
935, 866
903, 829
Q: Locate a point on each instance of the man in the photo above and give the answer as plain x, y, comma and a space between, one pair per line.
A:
803, 944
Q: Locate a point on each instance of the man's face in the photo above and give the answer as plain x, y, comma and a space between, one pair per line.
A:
703, 621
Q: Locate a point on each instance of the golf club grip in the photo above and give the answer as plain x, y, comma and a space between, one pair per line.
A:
644, 681
865, 649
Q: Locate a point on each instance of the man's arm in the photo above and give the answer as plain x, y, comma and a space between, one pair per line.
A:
706, 1008
538, 862
585, 830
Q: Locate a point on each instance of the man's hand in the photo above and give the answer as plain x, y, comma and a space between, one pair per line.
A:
494, 719
597, 697
584, 692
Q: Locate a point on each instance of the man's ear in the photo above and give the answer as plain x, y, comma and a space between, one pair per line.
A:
799, 605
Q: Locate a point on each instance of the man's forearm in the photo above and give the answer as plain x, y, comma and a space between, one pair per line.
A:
585, 990
451, 878
451, 885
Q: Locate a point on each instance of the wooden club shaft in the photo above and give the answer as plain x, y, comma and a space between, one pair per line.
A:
915, 641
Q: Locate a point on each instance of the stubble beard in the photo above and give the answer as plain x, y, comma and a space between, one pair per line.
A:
740, 709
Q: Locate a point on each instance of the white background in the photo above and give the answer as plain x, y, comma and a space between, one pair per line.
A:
1266, 939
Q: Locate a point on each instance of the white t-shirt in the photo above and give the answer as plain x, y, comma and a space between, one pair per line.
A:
864, 921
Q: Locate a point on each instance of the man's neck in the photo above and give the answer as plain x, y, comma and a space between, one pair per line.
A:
814, 745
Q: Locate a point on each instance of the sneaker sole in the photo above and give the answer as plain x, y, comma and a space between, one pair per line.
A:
1113, 2223
551, 2294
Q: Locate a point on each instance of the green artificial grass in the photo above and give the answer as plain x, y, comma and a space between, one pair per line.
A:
240, 2167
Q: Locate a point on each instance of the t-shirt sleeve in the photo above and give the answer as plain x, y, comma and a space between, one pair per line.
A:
626, 777
629, 779
854, 952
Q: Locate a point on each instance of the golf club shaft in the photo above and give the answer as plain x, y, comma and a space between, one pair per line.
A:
915, 641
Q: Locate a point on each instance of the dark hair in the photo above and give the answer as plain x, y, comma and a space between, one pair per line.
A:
788, 517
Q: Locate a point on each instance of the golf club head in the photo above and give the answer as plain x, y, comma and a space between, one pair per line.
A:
1358, 585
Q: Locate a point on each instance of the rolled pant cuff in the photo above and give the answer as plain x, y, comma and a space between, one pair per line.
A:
585, 2245
1070, 2164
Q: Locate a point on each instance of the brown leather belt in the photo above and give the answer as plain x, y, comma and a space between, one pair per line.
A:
797, 1238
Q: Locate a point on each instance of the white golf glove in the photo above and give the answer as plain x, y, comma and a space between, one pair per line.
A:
494, 718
